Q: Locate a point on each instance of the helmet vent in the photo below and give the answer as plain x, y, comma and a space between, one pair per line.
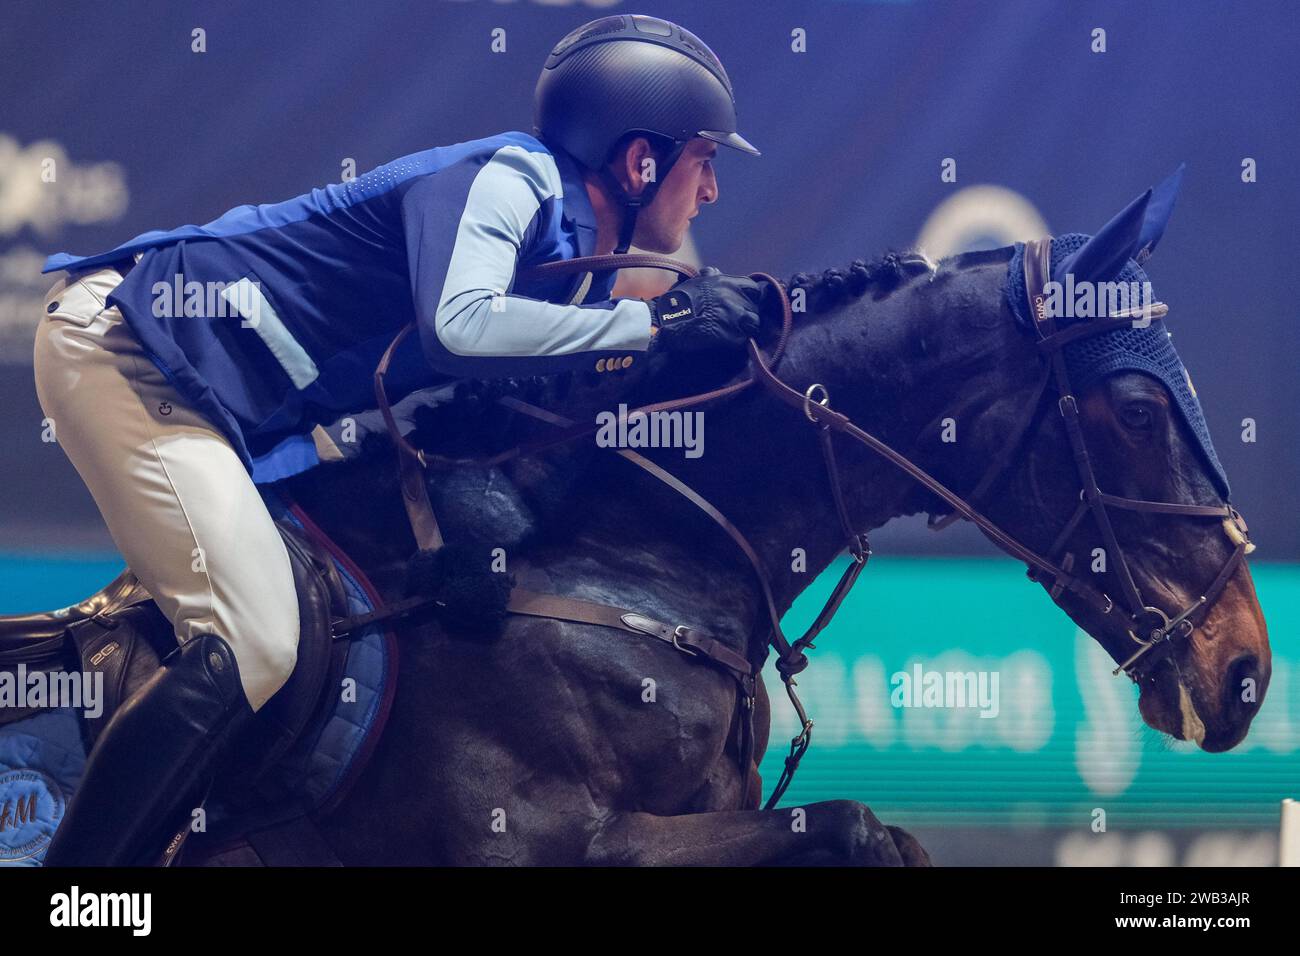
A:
595, 28
692, 42
604, 25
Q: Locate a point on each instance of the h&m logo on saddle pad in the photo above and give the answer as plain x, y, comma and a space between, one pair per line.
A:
31, 806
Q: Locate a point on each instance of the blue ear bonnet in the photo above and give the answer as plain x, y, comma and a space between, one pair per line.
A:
1126, 349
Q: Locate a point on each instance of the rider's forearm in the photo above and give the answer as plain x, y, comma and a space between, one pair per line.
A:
484, 334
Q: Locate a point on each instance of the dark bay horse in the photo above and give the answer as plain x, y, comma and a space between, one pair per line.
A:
561, 743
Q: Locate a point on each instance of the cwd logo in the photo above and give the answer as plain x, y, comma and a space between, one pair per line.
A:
31, 806
42, 188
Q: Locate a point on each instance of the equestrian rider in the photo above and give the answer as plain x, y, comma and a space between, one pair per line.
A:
184, 368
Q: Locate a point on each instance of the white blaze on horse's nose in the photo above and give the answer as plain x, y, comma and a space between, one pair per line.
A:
1193, 728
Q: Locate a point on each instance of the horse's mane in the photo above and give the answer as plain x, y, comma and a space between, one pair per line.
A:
830, 290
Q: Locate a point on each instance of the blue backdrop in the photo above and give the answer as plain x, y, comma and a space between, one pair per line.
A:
147, 133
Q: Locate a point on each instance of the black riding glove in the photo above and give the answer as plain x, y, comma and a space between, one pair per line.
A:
709, 311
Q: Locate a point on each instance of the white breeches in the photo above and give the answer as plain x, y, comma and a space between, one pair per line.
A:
180, 505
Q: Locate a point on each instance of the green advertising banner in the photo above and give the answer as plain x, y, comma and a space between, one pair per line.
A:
1060, 738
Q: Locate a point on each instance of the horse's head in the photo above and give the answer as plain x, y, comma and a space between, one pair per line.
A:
947, 365
1145, 441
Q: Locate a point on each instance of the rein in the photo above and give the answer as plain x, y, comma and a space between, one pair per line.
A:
814, 403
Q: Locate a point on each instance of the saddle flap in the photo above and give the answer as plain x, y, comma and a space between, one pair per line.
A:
113, 653
118, 654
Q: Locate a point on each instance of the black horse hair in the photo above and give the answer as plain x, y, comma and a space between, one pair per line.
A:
826, 292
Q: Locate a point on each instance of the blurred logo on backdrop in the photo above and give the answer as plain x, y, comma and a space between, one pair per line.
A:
42, 192
979, 217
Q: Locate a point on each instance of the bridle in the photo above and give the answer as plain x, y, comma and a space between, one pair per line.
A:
814, 403
1148, 625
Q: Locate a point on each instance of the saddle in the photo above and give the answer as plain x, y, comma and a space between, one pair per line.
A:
119, 632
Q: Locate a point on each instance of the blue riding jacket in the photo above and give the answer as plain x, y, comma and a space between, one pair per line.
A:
272, 318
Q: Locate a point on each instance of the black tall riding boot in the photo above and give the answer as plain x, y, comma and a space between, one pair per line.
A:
154, 761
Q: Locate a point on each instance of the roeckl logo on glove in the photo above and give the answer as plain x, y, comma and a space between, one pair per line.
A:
669, 316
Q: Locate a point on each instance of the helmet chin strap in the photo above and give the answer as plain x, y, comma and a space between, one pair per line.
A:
632, 205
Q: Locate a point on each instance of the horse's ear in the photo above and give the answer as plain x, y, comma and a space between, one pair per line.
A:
1103, 256
1158, 212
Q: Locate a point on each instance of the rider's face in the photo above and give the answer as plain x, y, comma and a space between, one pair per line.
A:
661, 226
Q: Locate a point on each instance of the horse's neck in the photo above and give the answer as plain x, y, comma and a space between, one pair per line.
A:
764, 469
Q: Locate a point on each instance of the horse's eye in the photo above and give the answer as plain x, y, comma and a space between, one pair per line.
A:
1135, 416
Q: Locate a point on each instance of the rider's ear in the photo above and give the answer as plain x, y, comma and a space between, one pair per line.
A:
624, 162
637, 157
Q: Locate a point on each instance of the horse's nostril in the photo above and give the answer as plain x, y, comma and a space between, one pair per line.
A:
1242, 685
